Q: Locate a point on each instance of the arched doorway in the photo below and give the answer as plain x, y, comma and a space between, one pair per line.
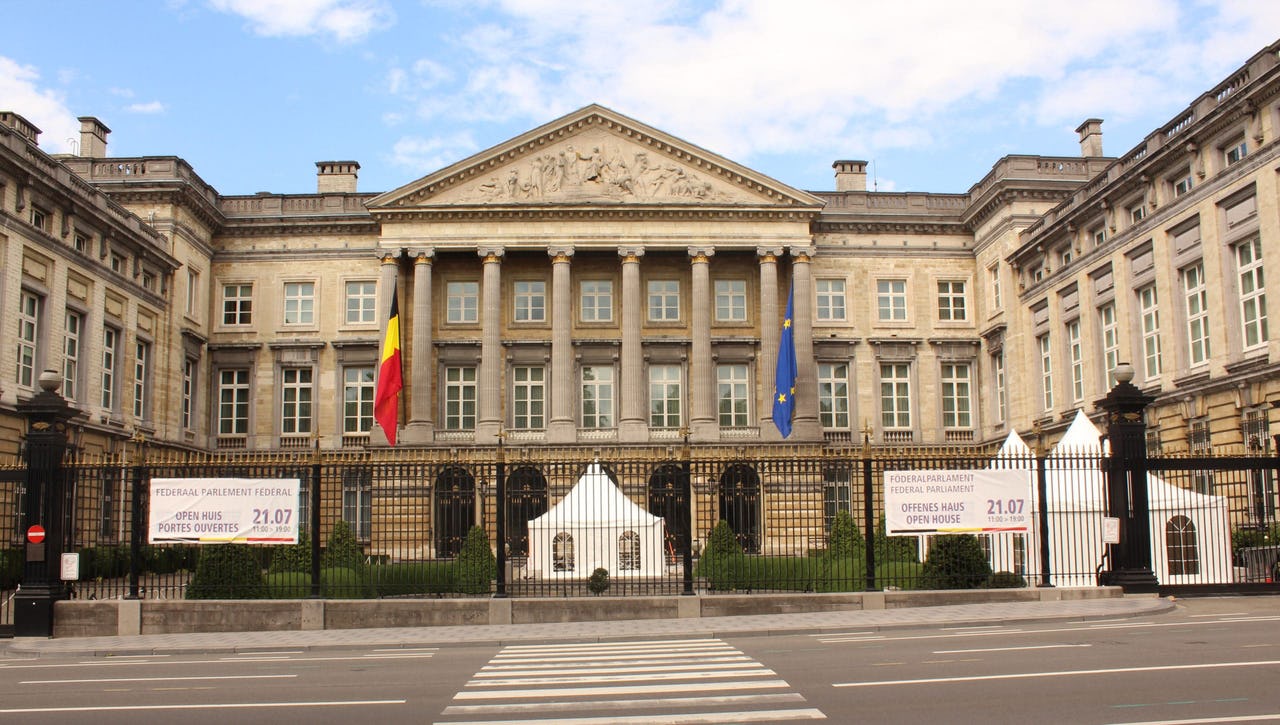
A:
740, 504
526, 499
667, 499
455, 510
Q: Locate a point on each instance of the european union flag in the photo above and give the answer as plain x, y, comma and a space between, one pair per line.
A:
784, 378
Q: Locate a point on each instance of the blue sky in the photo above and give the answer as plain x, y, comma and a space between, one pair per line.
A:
253, 92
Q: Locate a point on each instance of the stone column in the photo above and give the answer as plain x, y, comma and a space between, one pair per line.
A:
805, 425
489, 391
703, 425
421, 428
389, 271
561, 428
770, 331
633, 425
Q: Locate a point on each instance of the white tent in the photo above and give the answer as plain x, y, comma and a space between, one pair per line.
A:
595, 526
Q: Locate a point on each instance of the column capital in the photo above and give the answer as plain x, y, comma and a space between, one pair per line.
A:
770, 254
630, 254
388, 256
701, 254
560, 254
422, 255
491, 255
803, 254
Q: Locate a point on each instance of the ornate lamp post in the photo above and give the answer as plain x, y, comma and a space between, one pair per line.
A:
1127, 484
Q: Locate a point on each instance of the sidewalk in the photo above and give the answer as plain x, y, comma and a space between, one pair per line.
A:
998, 613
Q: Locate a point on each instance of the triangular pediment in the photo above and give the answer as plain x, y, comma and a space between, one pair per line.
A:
594, 157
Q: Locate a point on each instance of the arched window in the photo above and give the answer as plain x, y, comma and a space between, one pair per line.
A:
455, 509
526, 500
740, 504
562, 552
667, 499
1180, 541
629, 551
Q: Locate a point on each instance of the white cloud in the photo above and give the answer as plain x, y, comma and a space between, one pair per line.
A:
20, 93
150, 107
423, 155
344, 20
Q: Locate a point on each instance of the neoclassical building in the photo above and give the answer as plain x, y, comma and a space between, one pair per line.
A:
598, 282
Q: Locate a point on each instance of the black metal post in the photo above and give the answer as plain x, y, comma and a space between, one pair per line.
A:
869, 512
138, 478
314, 537
47, 415
686, 530
1042, 520
501, 492
1127, 498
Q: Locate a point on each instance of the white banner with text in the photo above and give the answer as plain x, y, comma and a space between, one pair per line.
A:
223, 510
957, 502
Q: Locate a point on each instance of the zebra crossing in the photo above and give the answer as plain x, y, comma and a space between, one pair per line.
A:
626, 683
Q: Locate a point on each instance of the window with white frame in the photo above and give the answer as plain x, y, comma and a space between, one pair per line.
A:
362, 302
80, 242
1182, 550
110, 363
30, 306
629, 551
40, 218
357, 500
149, 280
837, 490
831, 300
997, 364
1197, 296
71, 355
1046, 371
117, 263
460, 398
142, 380
1149, 306
664, 396
237, 304
891, 300
193, 293
1137, 213
233, 402
731, 300
1099, 236
993, 275
895, 396
527, 397
188, 391
1253, 292
357, 399
1182, 183
1110, 341
299, 303
833, 395
595, 301
295, 401
530, 301
562, 558
462, 303
664, 300
1234, 152
1065, 255
597, 396
956, 402
951, 301
1076, 352
732, 395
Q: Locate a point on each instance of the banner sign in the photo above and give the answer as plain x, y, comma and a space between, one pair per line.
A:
957, 502
223, 510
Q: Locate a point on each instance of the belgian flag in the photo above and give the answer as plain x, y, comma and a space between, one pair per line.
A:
386, 398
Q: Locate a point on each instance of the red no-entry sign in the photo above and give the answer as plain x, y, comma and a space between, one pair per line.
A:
35, 534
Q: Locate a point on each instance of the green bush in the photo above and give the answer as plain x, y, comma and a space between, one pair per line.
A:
956, 561
343, 583
1006, 580
342, 549
844, 541
895, 548
841, 575
227, 571
722, 563
288, 585
294, 557
903, 575
598, 582
423, 577
165, 559
475, 567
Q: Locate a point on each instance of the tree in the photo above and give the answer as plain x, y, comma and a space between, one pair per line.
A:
956, 561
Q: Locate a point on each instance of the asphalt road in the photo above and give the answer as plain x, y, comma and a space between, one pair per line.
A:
1211, 660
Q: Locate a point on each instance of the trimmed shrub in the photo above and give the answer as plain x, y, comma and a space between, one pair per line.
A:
408, 579
844, 541
722, 563
339, 582
342, 549
288, 585
842, 575
295, 557
475, 567
227, 571
598, 583
895, 548
1006, 580
956, 561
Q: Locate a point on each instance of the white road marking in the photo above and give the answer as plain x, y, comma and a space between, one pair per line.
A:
612, 645
621, 690
157, 679
614, 661
1061, 673
213, 706
1006, 649
568, 705
721, 667
692, 717
758, 671
1194, 721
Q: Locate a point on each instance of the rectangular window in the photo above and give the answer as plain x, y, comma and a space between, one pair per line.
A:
462, 301
1137, 213
149, 281
193, 292
110, 358
527, 398
233, 403
1065, 256
299, 303
891, 300
895, 396
1046, 371
951, 305
1110, 342
1099, 236
80, 242
1253, 293
664, 300
1236, 152
993, 273
831, 300
597, 396
732, 395
956, 408
142, 380
833, 395
997, 363
1183, 184
664, 396
459, 398
531, 301
357, 501
836, 494
357, 400
1149, 304
39, 218
1077, 360
362, 303
117, 264
295, 401
1197, 295
71, 355
237, 304
188, 391
731, 300
29, 308
596, 301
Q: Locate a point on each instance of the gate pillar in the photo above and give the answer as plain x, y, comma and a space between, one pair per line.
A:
1127, 499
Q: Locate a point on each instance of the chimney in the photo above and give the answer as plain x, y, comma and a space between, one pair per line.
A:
93, 137
22, 126
850, 175
1090, 137
336, 177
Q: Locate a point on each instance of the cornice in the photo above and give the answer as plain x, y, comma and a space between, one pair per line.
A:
629, 212
861, 226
